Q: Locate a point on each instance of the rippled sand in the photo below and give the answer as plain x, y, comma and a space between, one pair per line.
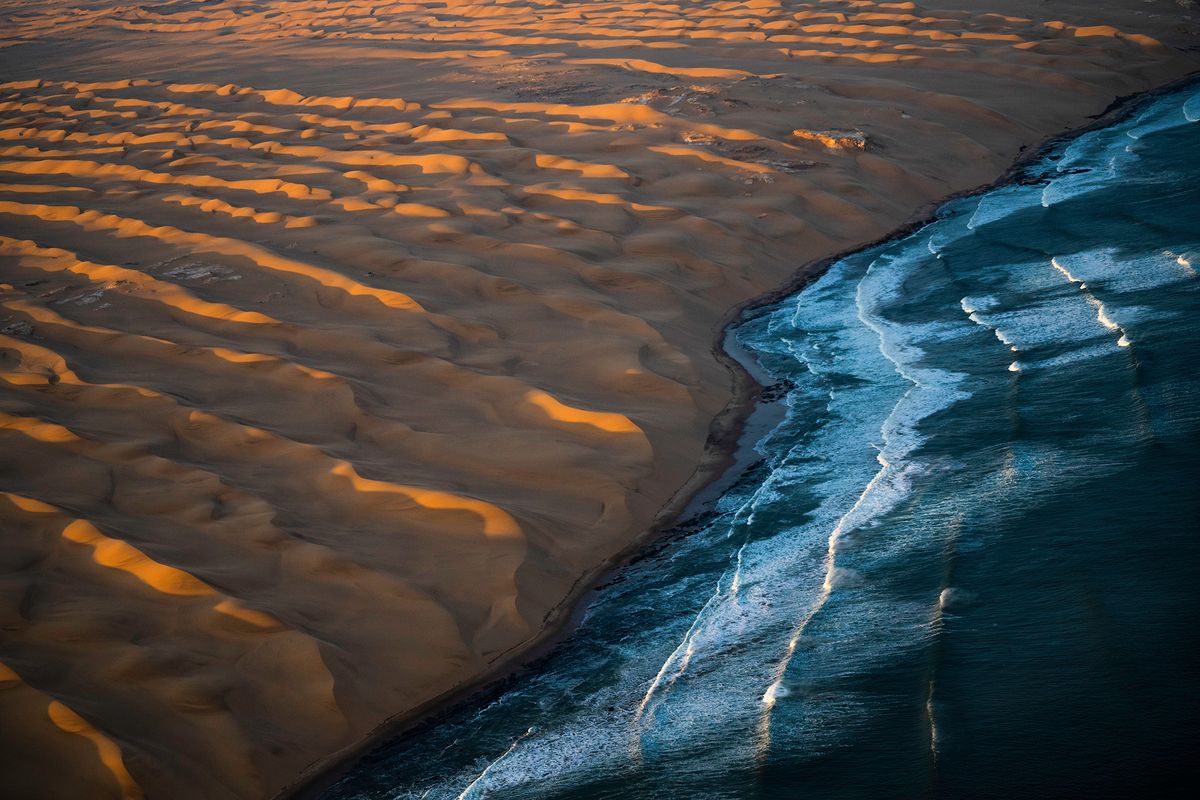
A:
341, 343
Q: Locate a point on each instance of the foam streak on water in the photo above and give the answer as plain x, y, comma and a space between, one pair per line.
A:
1101, 310
475, 787
958, 568
930, 392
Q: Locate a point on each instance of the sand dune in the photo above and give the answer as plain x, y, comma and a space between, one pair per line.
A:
342, 342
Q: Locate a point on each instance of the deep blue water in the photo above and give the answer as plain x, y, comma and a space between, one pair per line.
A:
969, 562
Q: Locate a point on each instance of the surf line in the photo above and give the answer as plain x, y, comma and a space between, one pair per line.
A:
681, 656
1143, 411
899, 440
1101, 311
470, 792
772, 693
972, 312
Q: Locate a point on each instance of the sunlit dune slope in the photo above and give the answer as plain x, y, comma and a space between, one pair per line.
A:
341, 342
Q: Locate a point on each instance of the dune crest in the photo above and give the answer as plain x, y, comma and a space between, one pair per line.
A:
341, 344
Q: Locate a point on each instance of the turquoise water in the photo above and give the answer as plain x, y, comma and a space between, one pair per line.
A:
968, 564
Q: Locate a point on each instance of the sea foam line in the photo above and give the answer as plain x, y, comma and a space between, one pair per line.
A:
772, 692
972, 313
683, 652
1101, 311
469, 792
896, 426
686, 646
1191, 109
1184, 260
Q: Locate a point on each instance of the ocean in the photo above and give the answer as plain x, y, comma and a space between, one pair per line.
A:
967, 564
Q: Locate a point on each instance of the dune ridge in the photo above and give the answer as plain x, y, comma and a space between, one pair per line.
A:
341, 343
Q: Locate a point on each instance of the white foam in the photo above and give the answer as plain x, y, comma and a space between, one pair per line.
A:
954, 597
867, 379
1001, 203
1191, 108
770, 577
1159, 117
1102, 312
1071, 185
943, 233
930, 390
1121, 272
972, 307
677, 663
476, 785
1187, 261
1087, 150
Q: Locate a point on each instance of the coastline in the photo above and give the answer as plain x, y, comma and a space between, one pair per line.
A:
729, 453
381, 340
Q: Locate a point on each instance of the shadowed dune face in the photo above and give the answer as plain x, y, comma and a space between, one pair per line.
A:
340, 340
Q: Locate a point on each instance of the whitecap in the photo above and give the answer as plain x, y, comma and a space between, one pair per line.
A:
1191, 108
953, 598
1159, 117
1121, 272
972, 305
998, 204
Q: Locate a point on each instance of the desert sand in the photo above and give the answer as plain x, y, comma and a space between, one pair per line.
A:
343, 343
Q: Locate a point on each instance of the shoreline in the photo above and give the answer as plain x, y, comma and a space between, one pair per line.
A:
729, 453
394, 349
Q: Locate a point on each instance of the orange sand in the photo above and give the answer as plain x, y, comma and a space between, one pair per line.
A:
341, 343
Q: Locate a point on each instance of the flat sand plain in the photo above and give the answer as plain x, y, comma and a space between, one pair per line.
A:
341, 343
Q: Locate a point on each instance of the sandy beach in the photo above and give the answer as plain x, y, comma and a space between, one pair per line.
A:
342, 344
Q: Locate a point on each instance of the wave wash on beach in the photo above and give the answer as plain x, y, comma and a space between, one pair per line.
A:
344, 346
